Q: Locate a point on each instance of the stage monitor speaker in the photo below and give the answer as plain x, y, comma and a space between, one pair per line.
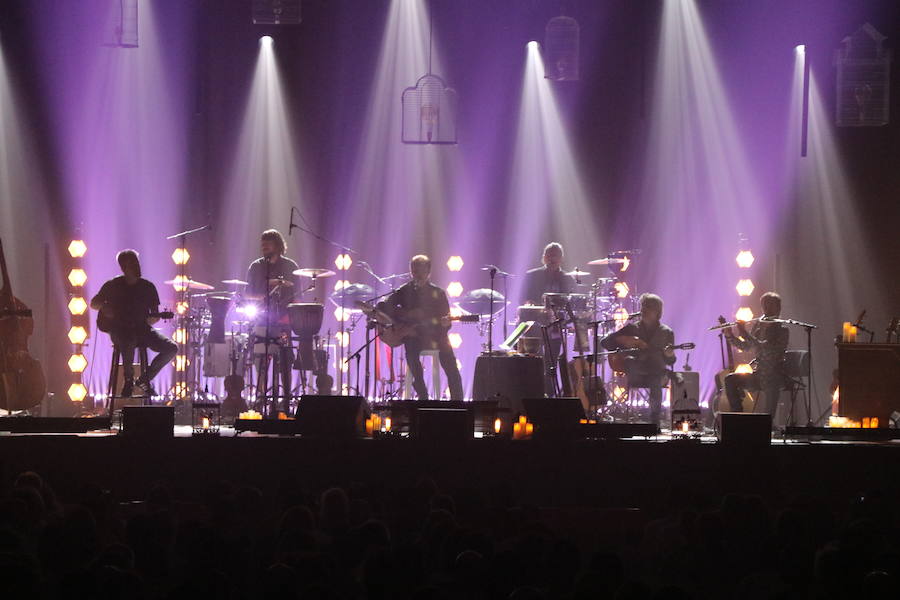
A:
745, 430
870, 381
554, 417
443, 425
148, 421
331, 416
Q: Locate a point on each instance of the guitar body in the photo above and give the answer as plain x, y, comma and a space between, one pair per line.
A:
396, 333
618, 362
106, 324
22, 382
585, 385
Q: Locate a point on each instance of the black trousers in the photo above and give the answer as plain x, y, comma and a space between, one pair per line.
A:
646, 374
737, 383
414, 347
151, 339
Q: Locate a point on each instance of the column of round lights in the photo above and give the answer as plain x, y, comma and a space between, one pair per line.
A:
744, 288
180, 256
78, 319
342, 262
454, 290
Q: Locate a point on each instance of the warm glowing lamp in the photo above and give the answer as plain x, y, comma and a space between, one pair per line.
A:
743, 314
181, 256
455, 289
77, 392
77, 334
744, 287
744, 259
455, 339
77, 363
455, 263
77, 277
77, 249
77, 305
343, 262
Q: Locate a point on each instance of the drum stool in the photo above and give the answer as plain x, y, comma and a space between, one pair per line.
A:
114, 373
435, 392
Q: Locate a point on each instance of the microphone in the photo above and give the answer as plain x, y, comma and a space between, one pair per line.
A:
291, 225
634, 315
860, 318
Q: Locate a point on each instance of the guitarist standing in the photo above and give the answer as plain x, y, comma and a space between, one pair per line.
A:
424, 305
654, 340
126, 304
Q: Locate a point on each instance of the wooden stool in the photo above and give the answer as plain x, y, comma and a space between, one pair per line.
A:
114, 373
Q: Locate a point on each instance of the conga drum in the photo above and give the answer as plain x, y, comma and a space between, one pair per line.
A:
306, 321
218, 305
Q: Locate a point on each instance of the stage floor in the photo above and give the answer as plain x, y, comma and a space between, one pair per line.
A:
604, 473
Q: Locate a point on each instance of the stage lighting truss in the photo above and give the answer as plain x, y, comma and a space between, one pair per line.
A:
429, 112
561, 45
863, 79
122, 24
275, 12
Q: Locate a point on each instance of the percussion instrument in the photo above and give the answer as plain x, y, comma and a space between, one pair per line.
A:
234, 282
189, 284
218, 305
313, 273
579, 302
607, 262
306, 320
555, 301
479, 301
538, 314
348, 295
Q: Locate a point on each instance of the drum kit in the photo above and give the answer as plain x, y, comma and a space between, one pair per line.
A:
216, 349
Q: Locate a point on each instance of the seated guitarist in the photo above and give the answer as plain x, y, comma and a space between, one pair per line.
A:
125, 303
423, 304
653, 339
770, 341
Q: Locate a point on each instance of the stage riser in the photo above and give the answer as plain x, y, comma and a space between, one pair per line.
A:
598, 473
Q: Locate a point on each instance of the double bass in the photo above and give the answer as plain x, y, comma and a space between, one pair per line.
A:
22, 383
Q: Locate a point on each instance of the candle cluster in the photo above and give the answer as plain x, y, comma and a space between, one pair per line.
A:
376, 424
522, 429
849, 336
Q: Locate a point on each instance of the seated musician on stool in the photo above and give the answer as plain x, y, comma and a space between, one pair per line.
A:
548, 279
647, 367
770, 341
126, 302
272, 283
425, 305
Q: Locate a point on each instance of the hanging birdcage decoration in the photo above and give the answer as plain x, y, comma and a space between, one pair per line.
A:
429, 112
562, 39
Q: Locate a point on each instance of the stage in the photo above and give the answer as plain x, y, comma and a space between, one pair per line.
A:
635, 472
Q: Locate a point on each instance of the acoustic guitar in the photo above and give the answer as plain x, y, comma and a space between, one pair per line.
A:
617, 362
394, 332
105, 323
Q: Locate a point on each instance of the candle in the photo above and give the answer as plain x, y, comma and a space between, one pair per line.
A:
369, 426
529, 429
685, 426
387, 424
517, 430
874, 422
846, 336
866, 423
205, 422
852, 334
498, 424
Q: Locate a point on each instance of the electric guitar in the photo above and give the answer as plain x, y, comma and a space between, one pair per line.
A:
617, 362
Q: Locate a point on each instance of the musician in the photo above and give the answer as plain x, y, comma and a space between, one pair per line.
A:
653, 340
127, 302
421, 302
549, 278
272, 284
769, 341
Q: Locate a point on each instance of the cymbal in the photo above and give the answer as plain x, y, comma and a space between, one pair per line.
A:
578, 273
234, 282
308, 272
189, 284
351, 293
606, 262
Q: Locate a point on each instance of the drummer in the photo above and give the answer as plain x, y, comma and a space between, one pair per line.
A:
548, 279
272, 283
